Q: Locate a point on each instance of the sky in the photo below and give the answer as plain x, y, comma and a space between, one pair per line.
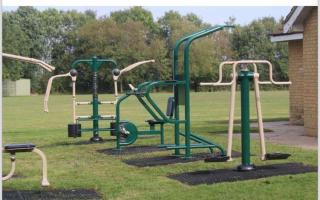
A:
212, 15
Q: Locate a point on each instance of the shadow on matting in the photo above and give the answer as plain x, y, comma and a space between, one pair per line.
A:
76, 194
132, 150
171, 159
231, 175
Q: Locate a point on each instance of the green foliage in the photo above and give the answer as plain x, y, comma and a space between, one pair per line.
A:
127, 36
252, 42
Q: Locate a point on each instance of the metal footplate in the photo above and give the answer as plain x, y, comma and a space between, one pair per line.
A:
277, 156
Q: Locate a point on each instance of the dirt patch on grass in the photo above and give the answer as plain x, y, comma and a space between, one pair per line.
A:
76, 194
167, 160
231, 175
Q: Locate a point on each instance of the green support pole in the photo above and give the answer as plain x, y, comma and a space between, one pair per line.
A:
95, 101
244, 78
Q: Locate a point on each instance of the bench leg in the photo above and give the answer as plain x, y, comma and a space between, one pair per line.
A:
13, 168
45, 181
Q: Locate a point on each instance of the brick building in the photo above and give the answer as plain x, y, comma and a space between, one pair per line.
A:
300, 30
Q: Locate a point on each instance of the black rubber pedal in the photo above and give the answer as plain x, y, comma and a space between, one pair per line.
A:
219, 158
277, 156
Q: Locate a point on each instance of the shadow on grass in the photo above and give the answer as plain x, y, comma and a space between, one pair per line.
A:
221, 126
238, 121
238, 131
88, 142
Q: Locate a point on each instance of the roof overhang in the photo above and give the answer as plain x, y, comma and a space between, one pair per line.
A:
282, 37
294, 21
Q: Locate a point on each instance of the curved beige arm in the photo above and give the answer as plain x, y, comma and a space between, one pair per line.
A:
218, 83
254, 62
131, 67
13, 168
126, 69
234, 68
30, 60
44, 181
46, 97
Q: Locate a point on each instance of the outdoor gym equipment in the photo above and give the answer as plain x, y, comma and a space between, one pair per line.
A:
17, 148
75, 129
244, 78
127, 132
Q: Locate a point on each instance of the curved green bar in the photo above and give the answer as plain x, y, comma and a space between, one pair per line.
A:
90, 61
176, 50
175, 77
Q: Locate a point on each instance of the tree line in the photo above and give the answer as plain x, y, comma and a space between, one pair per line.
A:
127, 36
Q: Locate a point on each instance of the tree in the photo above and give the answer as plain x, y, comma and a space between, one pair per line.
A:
252, 42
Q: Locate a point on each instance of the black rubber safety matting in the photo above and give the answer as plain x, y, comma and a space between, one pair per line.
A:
77, 194
231, 175
171, 159
132, 150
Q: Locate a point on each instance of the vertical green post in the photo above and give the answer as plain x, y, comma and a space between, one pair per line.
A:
95, 101
176, 100
244, 78
187, 99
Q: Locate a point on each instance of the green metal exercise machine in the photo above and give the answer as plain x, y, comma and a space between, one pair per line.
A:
127, 132
75, 129
245, 77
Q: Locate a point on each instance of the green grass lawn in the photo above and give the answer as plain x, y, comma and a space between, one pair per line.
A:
80, 166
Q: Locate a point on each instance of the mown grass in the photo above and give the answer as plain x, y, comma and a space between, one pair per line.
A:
73, 164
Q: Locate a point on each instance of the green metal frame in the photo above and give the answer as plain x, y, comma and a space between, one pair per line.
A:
244, 78
95, 65
178, 83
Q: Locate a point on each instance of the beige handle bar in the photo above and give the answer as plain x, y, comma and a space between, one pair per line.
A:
30, 60
126, 69
131, 67
46, 97
236, 64
218, 83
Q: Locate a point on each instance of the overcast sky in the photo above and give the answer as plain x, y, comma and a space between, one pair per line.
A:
212, 15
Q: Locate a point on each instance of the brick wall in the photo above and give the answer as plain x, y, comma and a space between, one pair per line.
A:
310, 64
296, 76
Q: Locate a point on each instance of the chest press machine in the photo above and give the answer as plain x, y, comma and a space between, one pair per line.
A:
75, 129
244, 77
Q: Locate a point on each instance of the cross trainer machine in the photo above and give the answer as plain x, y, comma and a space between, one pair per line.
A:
181, 86
75, 129
244, 78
